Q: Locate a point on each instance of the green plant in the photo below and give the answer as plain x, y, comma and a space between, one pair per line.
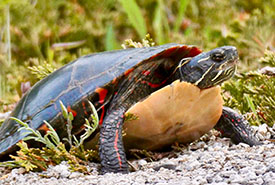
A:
181, 12
54, 151
135, 16
269, 58
147, 42
253, 93
89, 128
41, 71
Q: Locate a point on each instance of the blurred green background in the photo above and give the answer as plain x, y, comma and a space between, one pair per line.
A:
39, 32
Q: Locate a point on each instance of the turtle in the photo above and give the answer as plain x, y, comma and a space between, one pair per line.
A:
128, 80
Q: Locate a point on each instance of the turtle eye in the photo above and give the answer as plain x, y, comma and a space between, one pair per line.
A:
218, 57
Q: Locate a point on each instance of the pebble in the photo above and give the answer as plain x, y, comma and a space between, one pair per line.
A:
262, 129
196, 146
76, 175
142, 162
169, 165
61, 170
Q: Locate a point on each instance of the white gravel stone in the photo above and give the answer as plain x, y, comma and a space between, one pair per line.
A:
228, 174
269, 178
192, 165
61, 170
76, 175
262, 129
142, 162
199, 180
260, 169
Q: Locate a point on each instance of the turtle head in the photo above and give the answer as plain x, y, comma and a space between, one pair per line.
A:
210, 68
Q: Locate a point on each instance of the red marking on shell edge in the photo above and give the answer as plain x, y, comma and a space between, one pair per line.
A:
114, 80
44, 128
154, 85
115, 146
126, 73
102, 95
185, 51
72, 111
193, 51
169, 52
165, 53
146, 72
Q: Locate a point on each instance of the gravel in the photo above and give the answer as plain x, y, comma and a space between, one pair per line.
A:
212, 160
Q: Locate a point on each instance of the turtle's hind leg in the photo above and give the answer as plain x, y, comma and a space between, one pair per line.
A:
234, 126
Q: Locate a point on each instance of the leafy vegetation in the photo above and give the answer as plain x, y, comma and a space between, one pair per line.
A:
147, 42
54, 151
253, 92
41, 71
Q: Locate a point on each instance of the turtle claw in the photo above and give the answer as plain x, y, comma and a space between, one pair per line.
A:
234, 126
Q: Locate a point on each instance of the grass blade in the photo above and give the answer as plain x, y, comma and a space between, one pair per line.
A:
8, 34
135, 16
157, 24
182, 9
160, 23
110, 40
251, 106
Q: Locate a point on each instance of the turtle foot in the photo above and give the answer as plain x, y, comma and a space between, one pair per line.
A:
234, 126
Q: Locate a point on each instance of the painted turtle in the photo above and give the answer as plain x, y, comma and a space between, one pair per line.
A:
115, 81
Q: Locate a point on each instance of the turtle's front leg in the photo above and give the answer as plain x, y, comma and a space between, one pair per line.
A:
234, 126
111, 150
